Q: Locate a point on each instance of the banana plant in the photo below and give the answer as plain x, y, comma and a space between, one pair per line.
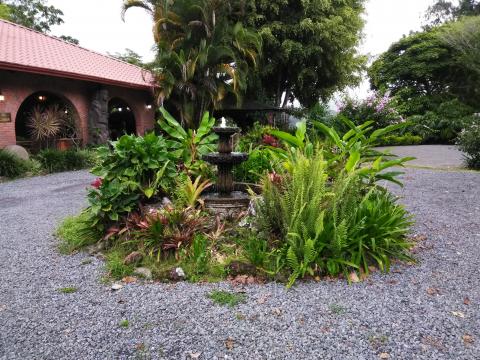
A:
189, 145
354, 151
295, 145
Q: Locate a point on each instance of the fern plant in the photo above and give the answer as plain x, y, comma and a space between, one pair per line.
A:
294, 211
330, 225
301, 266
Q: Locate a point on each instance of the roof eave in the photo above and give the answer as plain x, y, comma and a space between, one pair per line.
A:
74, 76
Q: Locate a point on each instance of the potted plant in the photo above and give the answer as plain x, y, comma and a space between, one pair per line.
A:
68, 134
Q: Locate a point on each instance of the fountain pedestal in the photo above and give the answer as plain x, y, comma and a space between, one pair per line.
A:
227, 195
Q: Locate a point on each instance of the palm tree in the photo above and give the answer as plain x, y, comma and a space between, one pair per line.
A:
203, 56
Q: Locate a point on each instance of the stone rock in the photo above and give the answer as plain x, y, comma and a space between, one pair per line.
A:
17, 150
240, 268
133, 258
177, 274
96, 248
143, 272
116, 287
153, 208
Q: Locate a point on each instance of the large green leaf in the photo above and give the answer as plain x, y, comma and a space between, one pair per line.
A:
287, 137
171, 126
353, 161
330, 133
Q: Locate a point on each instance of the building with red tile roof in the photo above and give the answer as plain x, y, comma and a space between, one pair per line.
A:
102, 93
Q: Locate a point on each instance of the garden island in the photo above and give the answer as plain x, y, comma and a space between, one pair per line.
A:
239, 201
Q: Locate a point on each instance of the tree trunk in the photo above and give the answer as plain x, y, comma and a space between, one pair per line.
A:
278, 95
288, 93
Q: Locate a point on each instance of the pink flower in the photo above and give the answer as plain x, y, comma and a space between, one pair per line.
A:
97, 183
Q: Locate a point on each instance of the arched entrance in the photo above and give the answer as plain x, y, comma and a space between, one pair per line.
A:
43, 118
121, 119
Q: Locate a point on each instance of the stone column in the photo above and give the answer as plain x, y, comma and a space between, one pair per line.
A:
98, 118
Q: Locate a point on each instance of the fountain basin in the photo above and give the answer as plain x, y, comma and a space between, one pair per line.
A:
236, 200
225, 130
233, 158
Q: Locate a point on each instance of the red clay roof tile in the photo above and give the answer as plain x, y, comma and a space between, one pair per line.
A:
23, 49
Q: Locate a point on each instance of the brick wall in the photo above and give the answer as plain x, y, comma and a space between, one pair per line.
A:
17, 86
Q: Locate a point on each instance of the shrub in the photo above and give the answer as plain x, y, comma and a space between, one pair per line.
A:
379, 108
135, 169
442, 124
189, 145
253, 138
330, 227
12, 166
251, 171
469, 142
53, 160
405, 139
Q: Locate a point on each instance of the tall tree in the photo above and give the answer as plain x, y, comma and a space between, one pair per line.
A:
203, 55
4, 11
424, 70
34, 14
130, 57
309, 48
69, 39
464, 37
442, 11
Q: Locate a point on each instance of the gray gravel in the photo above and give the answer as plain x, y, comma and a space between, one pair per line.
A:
390, 314
434, 156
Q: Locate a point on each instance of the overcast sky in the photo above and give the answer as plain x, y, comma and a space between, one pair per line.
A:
98, 25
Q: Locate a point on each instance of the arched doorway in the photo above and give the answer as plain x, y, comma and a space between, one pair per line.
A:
43, 118
121, 119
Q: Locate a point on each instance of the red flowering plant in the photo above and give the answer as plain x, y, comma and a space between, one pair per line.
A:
97, 183
270, 140
275, 178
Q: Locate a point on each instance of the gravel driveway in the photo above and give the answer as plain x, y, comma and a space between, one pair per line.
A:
388, 316
430, 156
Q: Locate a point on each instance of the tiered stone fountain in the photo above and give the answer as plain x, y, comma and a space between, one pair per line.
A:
227, 196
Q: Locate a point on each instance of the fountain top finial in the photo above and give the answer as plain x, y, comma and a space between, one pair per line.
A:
226, 126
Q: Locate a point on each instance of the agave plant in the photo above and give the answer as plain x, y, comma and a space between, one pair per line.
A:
45, 124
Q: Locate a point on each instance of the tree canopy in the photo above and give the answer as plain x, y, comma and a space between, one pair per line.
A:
431, 65
203, 54
34, 14
130, 57
464, 37
309, 48
4, 12
442, 10
434, 76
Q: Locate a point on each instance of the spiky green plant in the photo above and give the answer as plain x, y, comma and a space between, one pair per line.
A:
330, 225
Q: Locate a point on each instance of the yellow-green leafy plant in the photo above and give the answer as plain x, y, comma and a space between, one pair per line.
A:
189, 192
